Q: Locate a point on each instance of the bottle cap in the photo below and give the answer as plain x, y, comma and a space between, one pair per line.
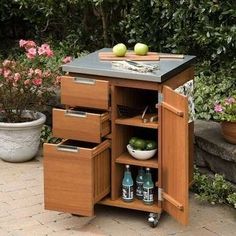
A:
127, 166
147, 168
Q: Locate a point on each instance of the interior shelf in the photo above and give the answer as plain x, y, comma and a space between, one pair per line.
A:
135, 205
137, 121
125, 158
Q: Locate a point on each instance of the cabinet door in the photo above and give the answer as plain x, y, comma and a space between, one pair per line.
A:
174, 154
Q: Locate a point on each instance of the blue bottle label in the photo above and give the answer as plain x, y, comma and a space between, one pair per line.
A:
127, 192
139, 189
148, 194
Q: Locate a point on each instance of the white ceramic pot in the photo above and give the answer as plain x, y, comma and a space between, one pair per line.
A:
19, 142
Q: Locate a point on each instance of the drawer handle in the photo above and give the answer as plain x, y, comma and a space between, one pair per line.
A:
67, 148
82, 80
76, 113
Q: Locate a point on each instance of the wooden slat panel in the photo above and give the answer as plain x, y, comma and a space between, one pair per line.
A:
75, 179
102, 175
68, 181
175, 155
88, 128
94, 95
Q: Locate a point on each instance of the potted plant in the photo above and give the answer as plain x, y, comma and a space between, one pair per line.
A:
26, 85
226, 113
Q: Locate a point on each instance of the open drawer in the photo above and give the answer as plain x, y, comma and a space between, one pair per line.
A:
84, 92
76, 176
80, 125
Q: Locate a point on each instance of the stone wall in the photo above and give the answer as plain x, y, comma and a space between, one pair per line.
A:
212, 151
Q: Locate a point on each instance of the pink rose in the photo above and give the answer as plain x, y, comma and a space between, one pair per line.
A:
27, 44
67, 59
22, 43
6, 73
49, 52
58, 80
6, 63
46, 73
27, 82
37, 82
47, 49
218, 108
17, 77
31, 53
229, 100
41, 51
31, 43
38, 72
45, 46
31, 72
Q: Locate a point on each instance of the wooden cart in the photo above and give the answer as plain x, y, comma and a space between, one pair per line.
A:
87, 168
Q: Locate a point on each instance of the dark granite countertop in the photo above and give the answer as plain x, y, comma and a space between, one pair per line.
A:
92, 65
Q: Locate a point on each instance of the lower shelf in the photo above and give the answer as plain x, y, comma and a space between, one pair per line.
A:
135, 205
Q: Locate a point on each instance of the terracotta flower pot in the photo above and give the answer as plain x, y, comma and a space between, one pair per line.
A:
229, 131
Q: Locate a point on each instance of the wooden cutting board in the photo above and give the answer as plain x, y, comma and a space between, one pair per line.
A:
151, 56
109, 56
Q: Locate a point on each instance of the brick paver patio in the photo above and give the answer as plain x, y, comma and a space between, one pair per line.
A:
22, 212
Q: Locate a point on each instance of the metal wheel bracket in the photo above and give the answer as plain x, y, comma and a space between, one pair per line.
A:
153, 219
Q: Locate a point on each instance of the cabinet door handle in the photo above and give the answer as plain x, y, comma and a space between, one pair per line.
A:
81, 114
81, 80
67, 148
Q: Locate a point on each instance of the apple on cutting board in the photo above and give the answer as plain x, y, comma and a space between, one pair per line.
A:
119, 50
141, 49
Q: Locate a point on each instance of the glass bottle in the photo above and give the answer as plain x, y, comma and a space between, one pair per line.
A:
139, 183
148, 188
127, 185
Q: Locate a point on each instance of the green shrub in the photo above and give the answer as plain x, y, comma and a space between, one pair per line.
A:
232, 199
46, 135
203, 28
213, 190
208, 90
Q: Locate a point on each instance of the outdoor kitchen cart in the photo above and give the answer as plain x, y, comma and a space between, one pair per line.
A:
87, 167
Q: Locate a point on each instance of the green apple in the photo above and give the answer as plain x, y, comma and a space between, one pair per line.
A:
141, 49
119, 50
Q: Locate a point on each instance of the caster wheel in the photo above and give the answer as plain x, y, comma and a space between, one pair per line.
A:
153, 220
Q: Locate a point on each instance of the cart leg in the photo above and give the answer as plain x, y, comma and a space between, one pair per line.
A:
153, 219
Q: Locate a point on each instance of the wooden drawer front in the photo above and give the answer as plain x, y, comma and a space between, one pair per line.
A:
77, 125
84, 92
71, 174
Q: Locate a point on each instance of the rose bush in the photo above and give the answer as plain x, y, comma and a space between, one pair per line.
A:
28, 82
226, 109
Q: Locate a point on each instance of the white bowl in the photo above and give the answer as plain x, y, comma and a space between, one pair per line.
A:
140, 154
